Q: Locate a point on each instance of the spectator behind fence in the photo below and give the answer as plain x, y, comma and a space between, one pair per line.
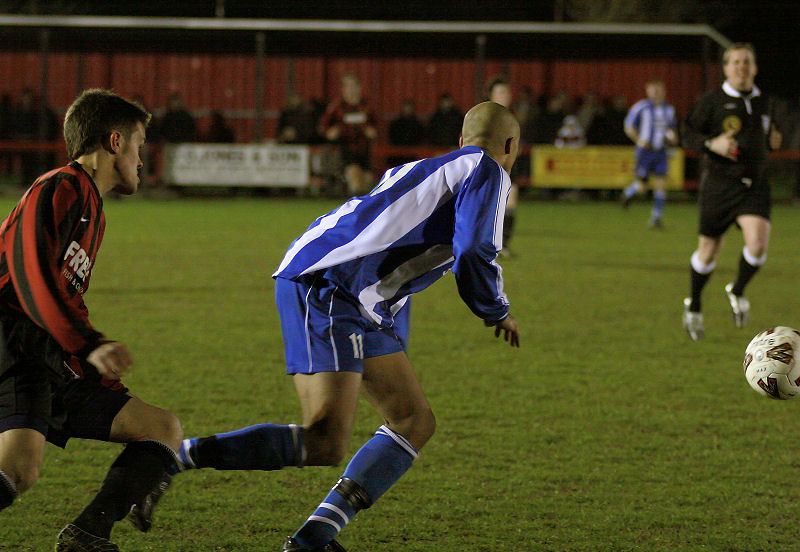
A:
571, 134
406, 129
444, 125
551, 119
34, 121
527, 111
349, 122
6, 130
588, 111
218, 130
177, 125
615, 121
296, 121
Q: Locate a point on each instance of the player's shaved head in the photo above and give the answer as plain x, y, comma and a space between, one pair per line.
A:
491, 127
488, 125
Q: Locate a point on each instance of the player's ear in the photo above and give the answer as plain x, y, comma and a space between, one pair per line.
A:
509, 144
113, 142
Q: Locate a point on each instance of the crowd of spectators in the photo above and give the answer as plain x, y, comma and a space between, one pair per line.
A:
560, 119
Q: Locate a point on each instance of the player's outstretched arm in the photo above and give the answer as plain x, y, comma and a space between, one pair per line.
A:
508, 326
111, 359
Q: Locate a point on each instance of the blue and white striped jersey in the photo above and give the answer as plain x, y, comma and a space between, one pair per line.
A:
421, 220
651, 122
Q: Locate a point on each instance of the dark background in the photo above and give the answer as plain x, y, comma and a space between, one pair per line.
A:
773, 27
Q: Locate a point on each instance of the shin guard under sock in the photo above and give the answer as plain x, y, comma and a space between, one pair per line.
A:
258, 447
375, 467
135, 472
8, 491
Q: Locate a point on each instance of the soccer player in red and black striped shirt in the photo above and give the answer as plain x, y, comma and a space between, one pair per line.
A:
59, 376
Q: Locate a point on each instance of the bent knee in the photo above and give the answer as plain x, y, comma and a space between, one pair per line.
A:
757, 251
171, 430
425, 426
23, 477
166, 428
325, 452
417, 428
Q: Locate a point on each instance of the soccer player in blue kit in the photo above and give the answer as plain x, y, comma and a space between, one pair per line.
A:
650, 123
337, 290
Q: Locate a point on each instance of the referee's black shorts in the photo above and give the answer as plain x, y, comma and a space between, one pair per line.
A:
38, 389
723, 199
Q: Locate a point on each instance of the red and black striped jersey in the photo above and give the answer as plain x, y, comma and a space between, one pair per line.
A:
48, 245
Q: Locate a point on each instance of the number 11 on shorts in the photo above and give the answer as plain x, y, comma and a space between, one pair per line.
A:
358, 345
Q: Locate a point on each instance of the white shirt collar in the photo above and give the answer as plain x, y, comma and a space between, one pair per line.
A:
731, 91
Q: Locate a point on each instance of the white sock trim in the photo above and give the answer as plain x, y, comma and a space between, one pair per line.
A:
300, 449
701, 268
334, 508
185, 447
399, 439
751, 260
325, 520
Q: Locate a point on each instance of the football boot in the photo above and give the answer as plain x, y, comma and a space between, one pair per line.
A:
74, 539
740, 307
692, 322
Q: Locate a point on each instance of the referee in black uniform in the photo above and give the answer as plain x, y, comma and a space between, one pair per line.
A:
733, 125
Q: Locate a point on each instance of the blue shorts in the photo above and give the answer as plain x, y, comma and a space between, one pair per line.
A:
325, 331
650, 162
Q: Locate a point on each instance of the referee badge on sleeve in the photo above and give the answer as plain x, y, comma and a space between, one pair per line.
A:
732, 123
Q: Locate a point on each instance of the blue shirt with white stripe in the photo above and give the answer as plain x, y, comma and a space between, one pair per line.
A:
421, 220
651, 122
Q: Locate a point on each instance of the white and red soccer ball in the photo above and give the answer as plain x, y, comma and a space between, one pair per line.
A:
772, 363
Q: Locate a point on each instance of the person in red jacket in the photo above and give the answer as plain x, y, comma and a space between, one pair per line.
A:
59, 376
349, 122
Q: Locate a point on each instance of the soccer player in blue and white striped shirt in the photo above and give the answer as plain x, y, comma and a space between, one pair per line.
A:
650, 123
337, 291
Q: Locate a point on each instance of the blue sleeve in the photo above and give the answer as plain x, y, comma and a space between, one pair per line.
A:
480, 208
633, 116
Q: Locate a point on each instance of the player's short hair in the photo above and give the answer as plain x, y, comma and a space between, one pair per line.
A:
94, 115
655, 82
737, 46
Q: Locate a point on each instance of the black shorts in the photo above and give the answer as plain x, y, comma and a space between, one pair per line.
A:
39, 390
723, 200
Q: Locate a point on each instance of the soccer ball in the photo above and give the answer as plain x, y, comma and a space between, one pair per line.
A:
771, 363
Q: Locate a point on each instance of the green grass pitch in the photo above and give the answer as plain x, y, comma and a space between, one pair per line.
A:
609, 430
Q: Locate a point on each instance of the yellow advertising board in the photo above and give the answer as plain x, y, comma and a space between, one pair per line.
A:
601, 167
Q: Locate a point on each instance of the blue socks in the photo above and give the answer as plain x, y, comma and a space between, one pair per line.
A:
659, 198
375, 467
258, 447
632, 190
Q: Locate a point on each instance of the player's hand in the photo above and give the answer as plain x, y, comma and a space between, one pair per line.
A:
111, 359
643, 143
671, 137
725, 145
775, 138
508, 326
